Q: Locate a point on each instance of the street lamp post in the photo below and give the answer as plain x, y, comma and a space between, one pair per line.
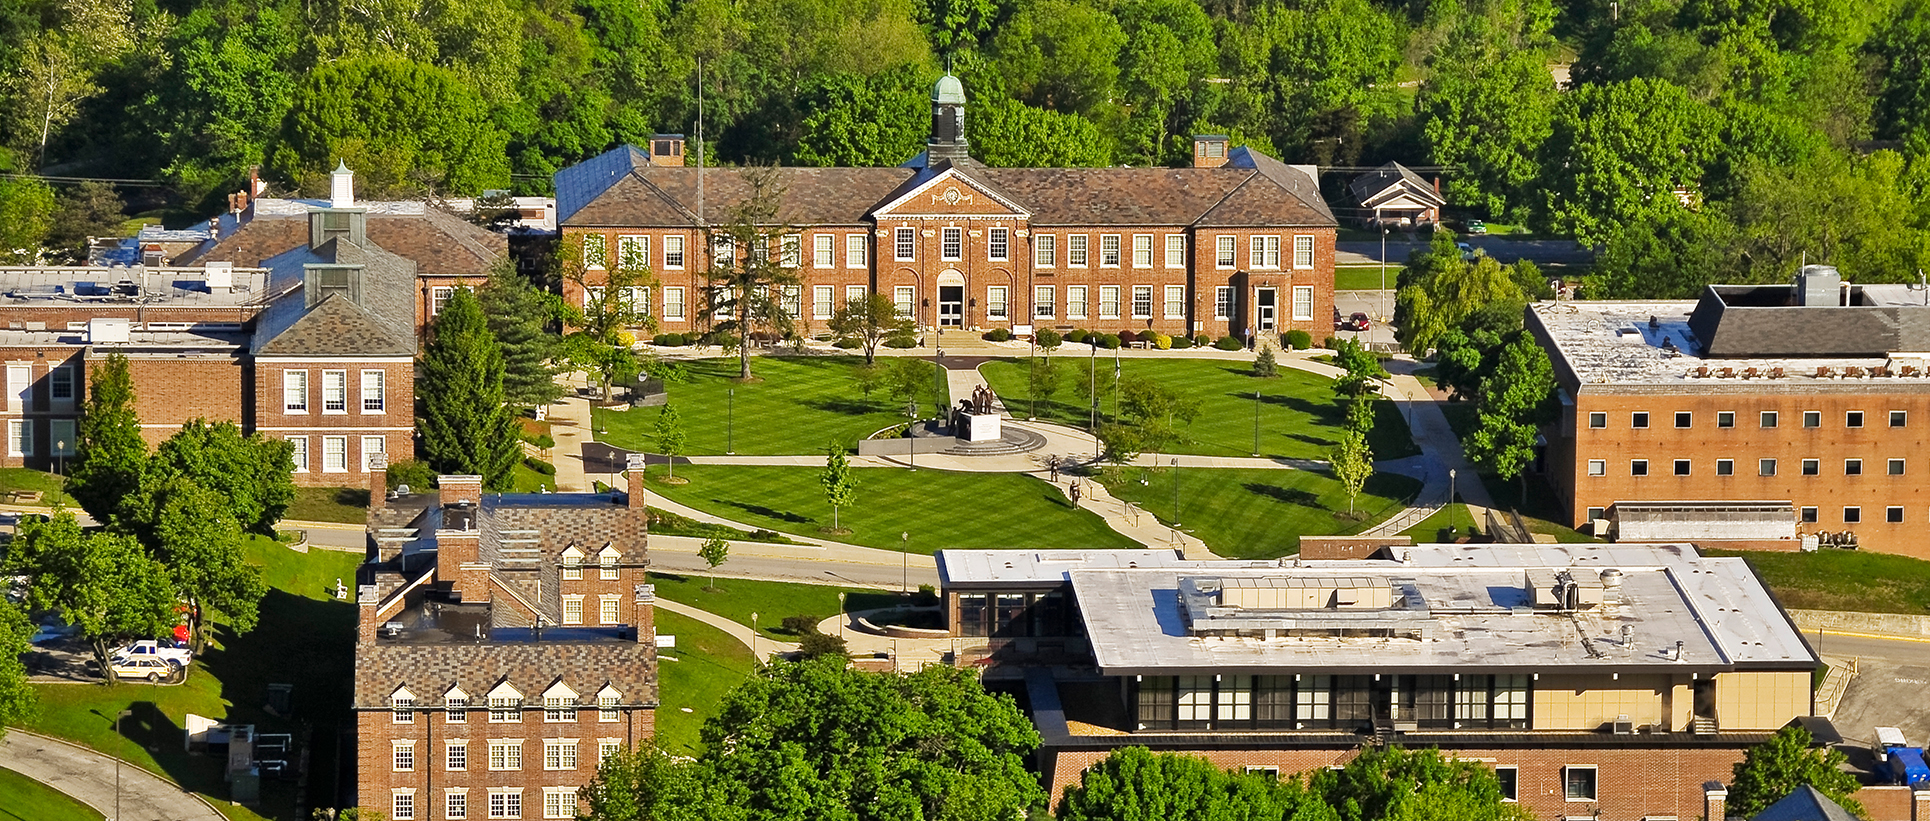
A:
1383, 268
730, 422
1175, 493
841, 616
1256, 423
117, 764
1092, 394
1450, 499
753, 637
904, 562
60, 457
1115, 386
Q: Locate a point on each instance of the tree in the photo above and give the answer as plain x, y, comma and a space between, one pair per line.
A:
840, 487
519, 316
1060, 55
852, 120
1351, 462
746, 283
870, 319
196, 537
17, 697
908, 380
1360, 365
1904, 104
1266, 365
1515, 401
1010, 134
112, 455
60, 70
647, 783
1414, 785
1618, 152
612, 304
88, 211
101, 582
249, 473
931, 744
670, 439
1043, 380
1487, 117
1439, 289
1134, 784
27, 209
867, 378
405, 127
466, 426
714, 551
1788, 760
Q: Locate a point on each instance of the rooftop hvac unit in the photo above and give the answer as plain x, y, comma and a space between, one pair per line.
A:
1623, 726
220, 275
103, 330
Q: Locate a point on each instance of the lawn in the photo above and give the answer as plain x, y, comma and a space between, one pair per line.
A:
737, 599
349, 505
939, 509
801, 405
526, 479
693, 677
230, 681
1843, 580
28, 479
1534, 499
1299, 416
24, 799
1258, 513
665, 523
1365, 277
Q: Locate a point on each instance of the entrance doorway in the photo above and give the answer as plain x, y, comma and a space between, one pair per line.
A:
1704, 707
1266, 305
951, 306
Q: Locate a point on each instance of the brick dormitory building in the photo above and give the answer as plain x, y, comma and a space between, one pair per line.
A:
296, 319
1238, 242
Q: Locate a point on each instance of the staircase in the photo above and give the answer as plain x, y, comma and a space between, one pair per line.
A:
1702, 726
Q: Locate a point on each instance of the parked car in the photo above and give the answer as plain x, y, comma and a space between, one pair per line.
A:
1357, 322
143, 667
1467, 251
170, 652
1477, 227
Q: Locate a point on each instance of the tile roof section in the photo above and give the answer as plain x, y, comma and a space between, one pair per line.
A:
1369, 187
441, 244
336, 327
382, 325
430, 670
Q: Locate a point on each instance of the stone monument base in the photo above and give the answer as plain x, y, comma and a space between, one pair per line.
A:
980, 427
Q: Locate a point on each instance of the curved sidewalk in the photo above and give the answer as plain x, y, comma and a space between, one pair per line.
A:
89, 777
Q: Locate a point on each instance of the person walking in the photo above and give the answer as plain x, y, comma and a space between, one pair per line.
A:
1075, 494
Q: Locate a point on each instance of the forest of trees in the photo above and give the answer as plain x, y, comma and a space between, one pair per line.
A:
1763, 111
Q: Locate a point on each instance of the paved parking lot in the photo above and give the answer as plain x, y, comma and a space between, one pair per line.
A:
1888, 691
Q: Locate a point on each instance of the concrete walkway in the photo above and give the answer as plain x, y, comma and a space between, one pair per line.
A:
1440, 451
571, 428
763, 646
90, 778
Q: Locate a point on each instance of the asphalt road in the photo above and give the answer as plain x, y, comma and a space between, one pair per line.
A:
1542, 252
802, 568
1893, 674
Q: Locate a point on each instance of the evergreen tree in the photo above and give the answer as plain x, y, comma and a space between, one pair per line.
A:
519, 318
466, 426
112, 453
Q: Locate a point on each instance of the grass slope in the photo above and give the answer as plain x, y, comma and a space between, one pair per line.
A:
348, 505
939, 509
737, 599
800, 405
1299, 417
1257, 513
28, 479
24, 799
1843, 580
708, 663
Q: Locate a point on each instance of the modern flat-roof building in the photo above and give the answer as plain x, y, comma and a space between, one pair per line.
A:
1603, 681
1238, 242
1801, 409
507, 644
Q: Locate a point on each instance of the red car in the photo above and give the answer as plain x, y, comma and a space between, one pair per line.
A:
1357, 322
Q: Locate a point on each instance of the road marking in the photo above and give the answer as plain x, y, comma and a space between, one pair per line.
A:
1880, 636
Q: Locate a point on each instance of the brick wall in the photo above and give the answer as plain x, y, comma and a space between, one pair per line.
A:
394, 424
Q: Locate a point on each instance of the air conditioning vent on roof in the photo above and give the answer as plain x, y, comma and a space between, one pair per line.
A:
1623, 726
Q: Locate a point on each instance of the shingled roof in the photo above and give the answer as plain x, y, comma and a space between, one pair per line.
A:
440, 243
381, 325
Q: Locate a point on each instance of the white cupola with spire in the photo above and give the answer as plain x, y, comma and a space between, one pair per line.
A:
341, 186
947, 141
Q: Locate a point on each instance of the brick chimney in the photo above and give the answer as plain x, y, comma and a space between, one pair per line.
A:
634, 472
1209, 150
643, 613
667, 150
378, 464
1919, 804
366, 601
459, 489
1715, 800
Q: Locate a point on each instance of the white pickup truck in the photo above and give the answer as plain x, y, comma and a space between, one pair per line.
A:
177, 656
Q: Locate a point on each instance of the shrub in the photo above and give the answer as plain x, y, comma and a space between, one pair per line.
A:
1202, 341
902, 341
417, 475
1330, 343
1047, 338
1265, 365
815, 644
1162, 341
1108, 341
539, 466
625, 339
998, 335
1077, 335
1181, 343
800, 625
541, 440
1297, 339
1127, 337
723, 339
927, 596
1228, 343
848, 343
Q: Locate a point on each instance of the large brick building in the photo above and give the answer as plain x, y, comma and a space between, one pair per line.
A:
1605, 682
1811, 399
1238, 242
507, 644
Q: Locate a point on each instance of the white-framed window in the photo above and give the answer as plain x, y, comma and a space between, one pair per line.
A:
673, 251
439, 298
633, 252
505, 754
792, 298
951, 243
20, 437
606, 747
1108, 250
821, 296
572, 609
1263, 252
637, 299
373, 394
1108, 302
997, 303
61, 434
594, 251
1142, 250
998, 243
1598, 467
402, 805
559, 754
299, 452
455, 707
1142, 301
606, 609
606, 564
673, 302
1042, 307
902, 298
1045, 251
1224, 250
372, 445
1075, 302
505, 708
505, 802
559, 705
904, 244
606, 711
402, 756
294, 391
1578, 782
334, 454
824, 250
1076, 250
572, 564
1175, 250
1223, 302
559, 802
854, 292
1175, 302
1303, 251
455, 755
20, 387
335, 391
854, 250
723, 252
402, 707
791, 250
1303, 302
60, 390
455, 804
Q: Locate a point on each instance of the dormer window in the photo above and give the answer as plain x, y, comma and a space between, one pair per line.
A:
607, 701
606, 561
559, 703
505, 705
572, 565
455, 706
402, 705
321, 281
